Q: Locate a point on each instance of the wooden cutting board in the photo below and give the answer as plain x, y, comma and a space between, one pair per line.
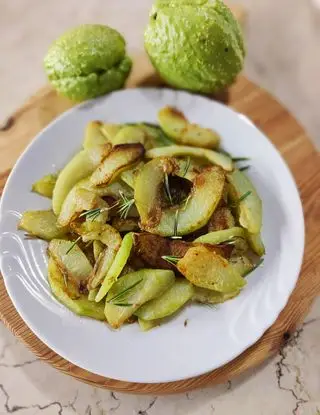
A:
303, 160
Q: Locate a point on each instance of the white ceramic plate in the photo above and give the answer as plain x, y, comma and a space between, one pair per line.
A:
171, 352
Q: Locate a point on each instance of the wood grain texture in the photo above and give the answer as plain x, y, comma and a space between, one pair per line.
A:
303, 160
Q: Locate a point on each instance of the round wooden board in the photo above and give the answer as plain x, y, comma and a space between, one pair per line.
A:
303, 160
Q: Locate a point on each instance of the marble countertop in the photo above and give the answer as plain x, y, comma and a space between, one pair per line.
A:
283, 37
287, 384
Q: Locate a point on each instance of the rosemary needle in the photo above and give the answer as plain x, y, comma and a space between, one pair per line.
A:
244, 168
244, 196
236, 159
167, 187
173, 260
73, 245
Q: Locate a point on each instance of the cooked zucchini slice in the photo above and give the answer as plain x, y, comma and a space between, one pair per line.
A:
116, 267
42, 224
203, 295
169, 302
249, 210
219, 237
45, 185
93, 135
122, 157
98, 248
80, 166
177, 127
256, 243
193, 213
204, 268
133, 290
213, 157
78, 201
82, 305
70, 259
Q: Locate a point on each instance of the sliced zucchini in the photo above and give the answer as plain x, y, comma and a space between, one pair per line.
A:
193, 213
249, 210
256, 243
130, 134
98, 248
42, 224
204, 268
70, 260
146, 284
102, 267
146, 325
122, 157
80, 166
242, 264
93, 135
169, 302
95, 231
125, 225
79, 200
110, 130
203, 295
117, 266
219, 237
45, 185
82, 305
129, 176
213, 157
178, 128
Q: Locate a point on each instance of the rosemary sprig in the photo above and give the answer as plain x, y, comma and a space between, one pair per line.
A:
125, 206
175, 225
236, 159
73, 245
120, 297
244, 168
173, 260
92, 214
187, 167
258, 264
244, 196
241, 199
167, 188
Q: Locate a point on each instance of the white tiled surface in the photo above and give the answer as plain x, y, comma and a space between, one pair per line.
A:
283, 39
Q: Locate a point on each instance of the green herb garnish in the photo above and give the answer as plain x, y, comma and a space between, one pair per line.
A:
73, 245
173, 260
244, 168
236, 159
187, 167
93, 214
122, 296
167, 188
125, 206
244, 196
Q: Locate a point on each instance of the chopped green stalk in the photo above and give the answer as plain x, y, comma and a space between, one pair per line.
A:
117, 266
